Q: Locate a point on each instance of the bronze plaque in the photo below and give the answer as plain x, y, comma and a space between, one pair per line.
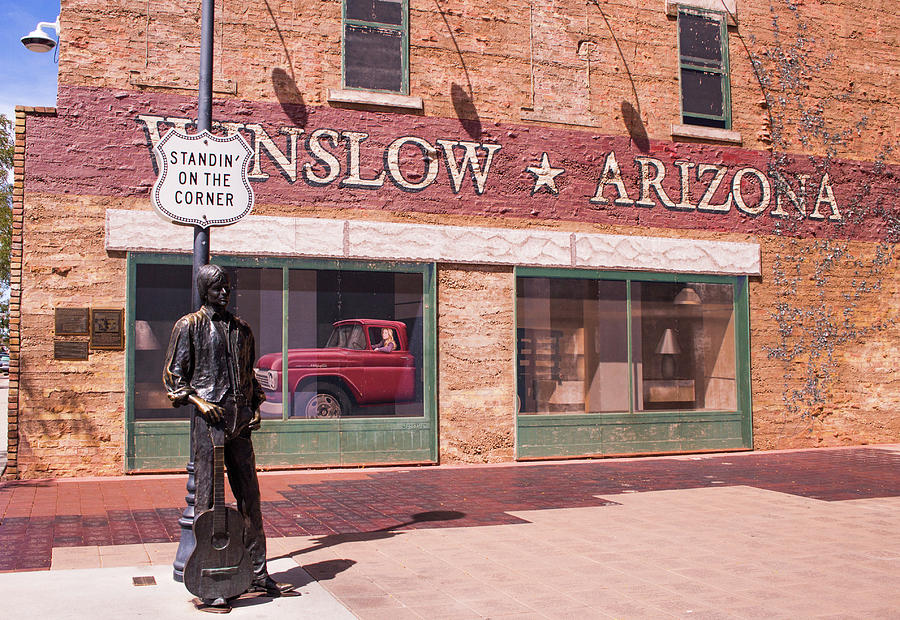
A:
70, 350
108, 329
72, 321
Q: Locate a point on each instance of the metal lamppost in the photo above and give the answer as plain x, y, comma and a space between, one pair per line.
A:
201, 257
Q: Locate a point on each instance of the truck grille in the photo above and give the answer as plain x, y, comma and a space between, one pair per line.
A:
266, 379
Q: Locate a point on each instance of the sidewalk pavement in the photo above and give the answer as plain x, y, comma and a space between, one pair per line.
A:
788, 534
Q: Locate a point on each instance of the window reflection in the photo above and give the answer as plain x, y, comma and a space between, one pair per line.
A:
257, 299
683, 346
573, 352
573, 357
354, 339
163, 296
337, 362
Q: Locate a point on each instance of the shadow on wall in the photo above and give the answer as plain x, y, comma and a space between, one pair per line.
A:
70, 421
289, 97
465, 111
635, 127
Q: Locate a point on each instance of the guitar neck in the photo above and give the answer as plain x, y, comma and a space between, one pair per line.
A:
219, 524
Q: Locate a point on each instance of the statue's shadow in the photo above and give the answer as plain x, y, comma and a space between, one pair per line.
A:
325, 570
302, 575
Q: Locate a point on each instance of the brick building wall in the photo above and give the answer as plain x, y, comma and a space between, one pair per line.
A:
588, 59
575, 79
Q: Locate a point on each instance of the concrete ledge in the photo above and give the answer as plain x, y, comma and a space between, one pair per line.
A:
458, 244
712, 134
145, 231
364, 97
665, 254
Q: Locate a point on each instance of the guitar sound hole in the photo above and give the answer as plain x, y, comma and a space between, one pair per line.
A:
220, 541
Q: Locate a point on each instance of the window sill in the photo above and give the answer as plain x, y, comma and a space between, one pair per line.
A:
709, 134
384, 100
730, 7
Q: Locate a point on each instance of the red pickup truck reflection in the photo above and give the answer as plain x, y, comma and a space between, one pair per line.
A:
348, 372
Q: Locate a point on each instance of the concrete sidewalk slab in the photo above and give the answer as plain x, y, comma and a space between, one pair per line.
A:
736, 552
99, 593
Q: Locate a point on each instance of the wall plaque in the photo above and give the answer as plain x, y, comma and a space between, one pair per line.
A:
70, 350
108, 329
72, 321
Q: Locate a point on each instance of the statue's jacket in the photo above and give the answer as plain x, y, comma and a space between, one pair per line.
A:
211, 354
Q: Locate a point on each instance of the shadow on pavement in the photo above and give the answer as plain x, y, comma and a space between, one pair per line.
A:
332, 540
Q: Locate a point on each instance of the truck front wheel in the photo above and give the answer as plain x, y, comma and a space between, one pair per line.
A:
328, 401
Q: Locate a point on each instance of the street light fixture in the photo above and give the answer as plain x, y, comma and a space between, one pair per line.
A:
39, 41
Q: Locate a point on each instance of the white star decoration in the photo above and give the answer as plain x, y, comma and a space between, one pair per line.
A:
544, 175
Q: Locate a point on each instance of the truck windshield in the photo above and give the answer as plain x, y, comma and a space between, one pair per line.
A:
347, 337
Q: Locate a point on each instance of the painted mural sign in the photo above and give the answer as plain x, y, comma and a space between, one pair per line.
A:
202, 178
336, 158
324, 159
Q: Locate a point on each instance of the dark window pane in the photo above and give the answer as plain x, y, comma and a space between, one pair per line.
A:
702, 93
163, 294
257, 299
373, 58
700, 39
382, 11
704, 122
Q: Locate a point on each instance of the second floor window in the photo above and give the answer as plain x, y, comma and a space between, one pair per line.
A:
703, 59
375, 45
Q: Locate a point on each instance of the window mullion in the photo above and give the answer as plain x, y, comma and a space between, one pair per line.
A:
360, 22
628, 345
726, 81
285, 322
706, 69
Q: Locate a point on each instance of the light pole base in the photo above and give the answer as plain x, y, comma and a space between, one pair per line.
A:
187, 542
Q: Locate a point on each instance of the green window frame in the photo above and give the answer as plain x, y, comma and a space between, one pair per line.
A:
635, 431
704, 76
366, 65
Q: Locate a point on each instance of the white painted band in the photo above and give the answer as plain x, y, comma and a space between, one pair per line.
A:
255, 235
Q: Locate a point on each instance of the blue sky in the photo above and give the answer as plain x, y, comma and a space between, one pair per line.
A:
26, 78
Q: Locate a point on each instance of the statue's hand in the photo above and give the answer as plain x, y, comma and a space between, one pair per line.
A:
255, 421
211, 412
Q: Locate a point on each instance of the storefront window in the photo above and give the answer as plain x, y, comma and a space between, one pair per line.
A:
163, 296
354, 339
581, 351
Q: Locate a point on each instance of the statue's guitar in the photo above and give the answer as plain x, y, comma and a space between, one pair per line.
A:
219, 566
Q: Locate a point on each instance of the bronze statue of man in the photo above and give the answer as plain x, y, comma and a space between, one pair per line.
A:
209, 363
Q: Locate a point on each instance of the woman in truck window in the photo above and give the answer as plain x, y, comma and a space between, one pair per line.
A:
387, 343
